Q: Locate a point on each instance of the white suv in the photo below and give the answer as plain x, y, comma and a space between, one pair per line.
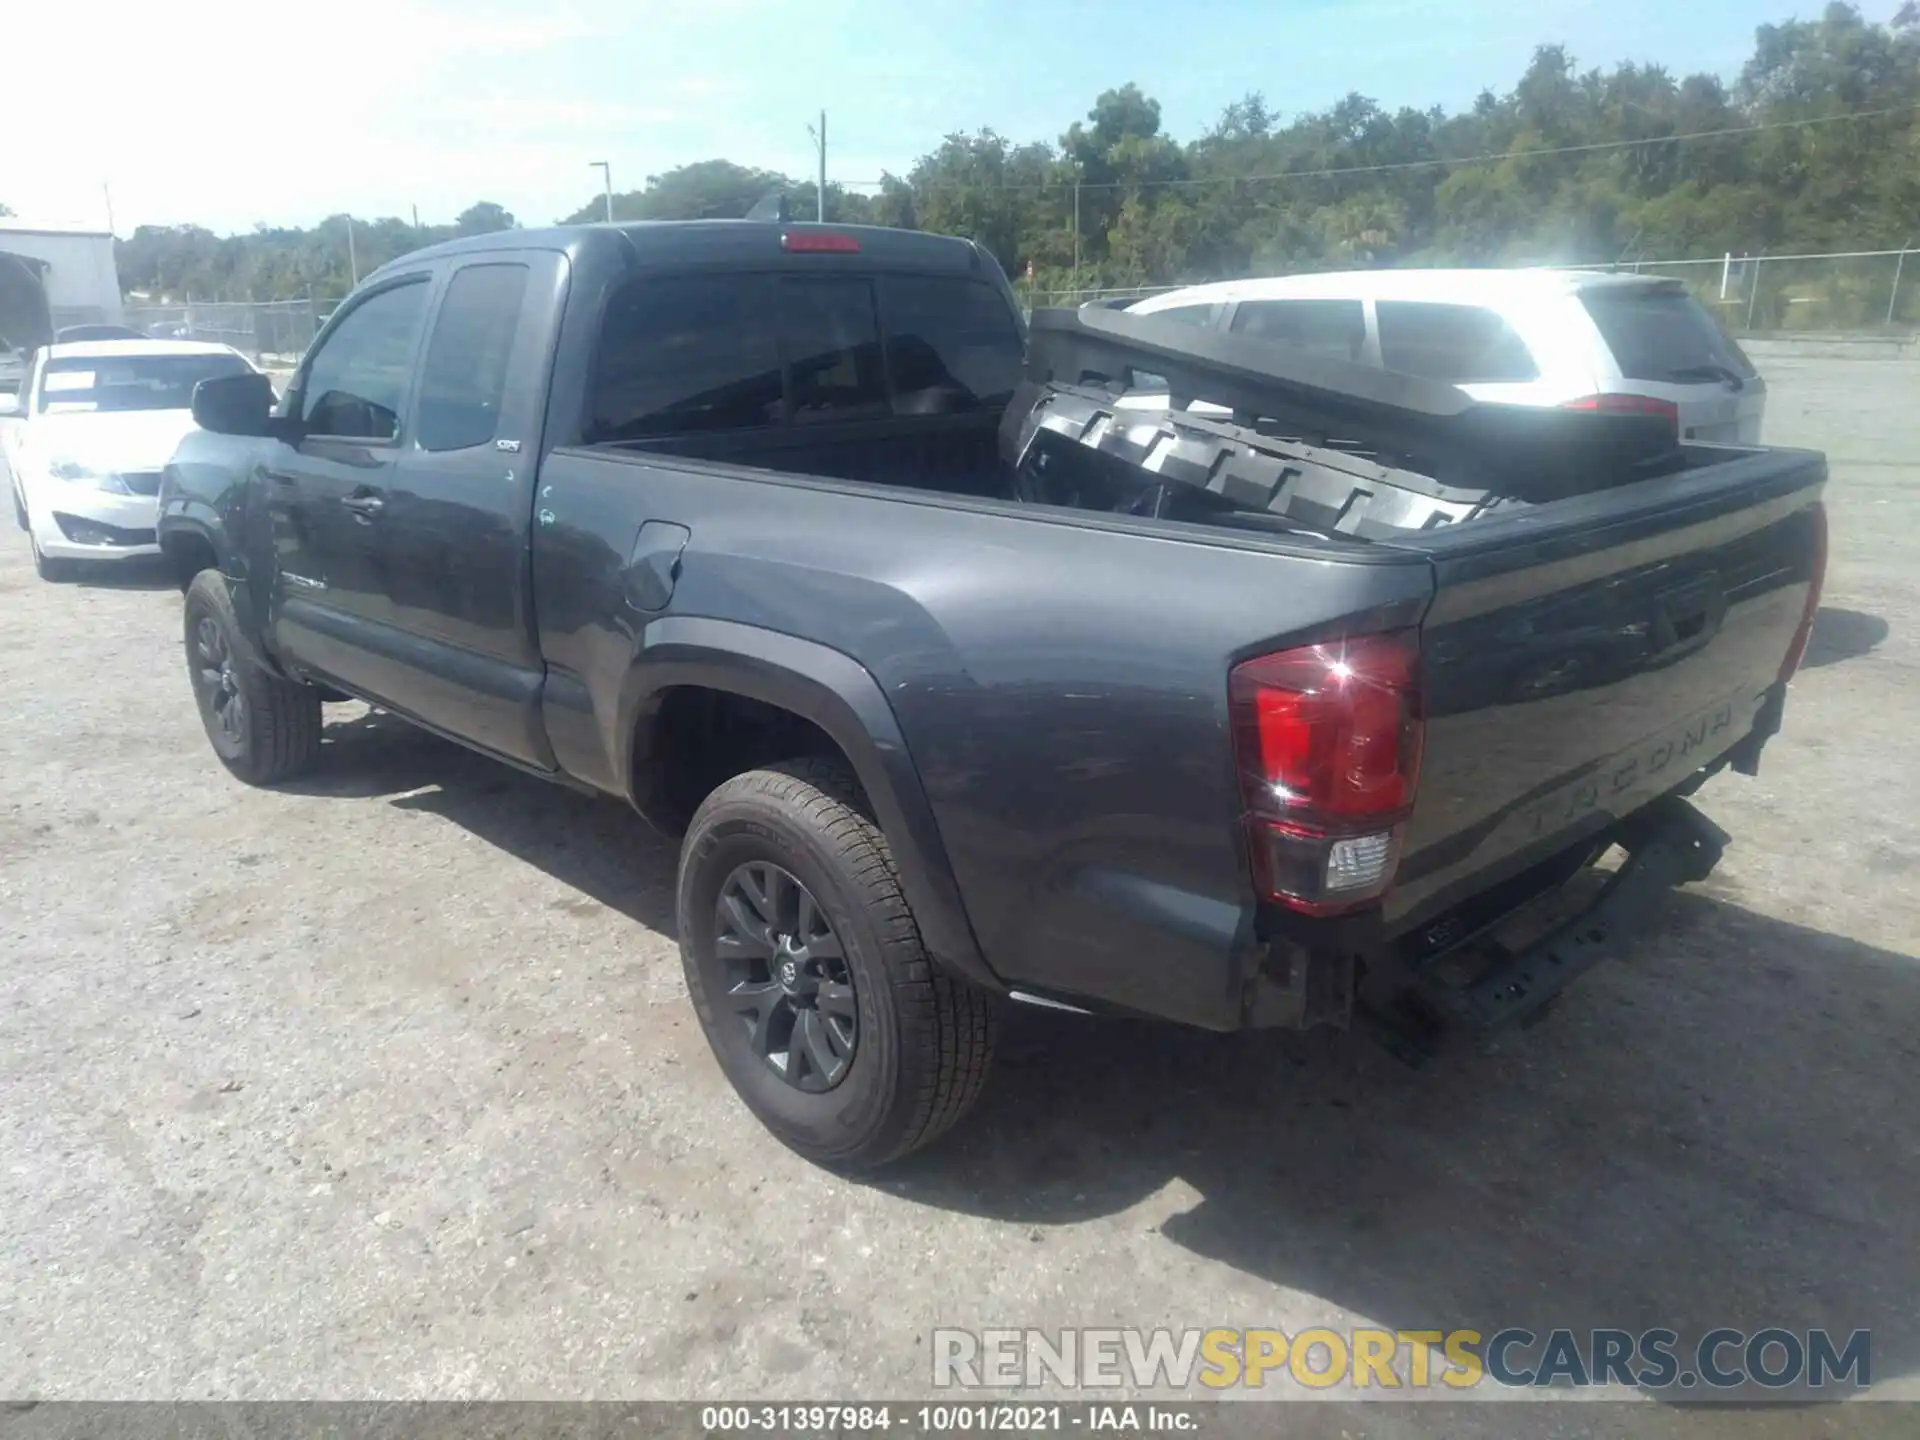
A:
1576, 338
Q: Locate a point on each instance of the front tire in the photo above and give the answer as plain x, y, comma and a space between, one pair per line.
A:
809, 975
264, 727
49, 569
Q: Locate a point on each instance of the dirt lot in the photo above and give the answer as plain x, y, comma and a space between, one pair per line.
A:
384, 1084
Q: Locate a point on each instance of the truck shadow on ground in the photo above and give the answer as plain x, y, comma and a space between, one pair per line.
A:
144, 573
598, 846
1717, 1132
1842, 635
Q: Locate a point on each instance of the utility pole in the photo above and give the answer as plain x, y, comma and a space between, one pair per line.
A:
606, 176
1898, 261
820, 154
1076, 229
353, 263
416, 217
107, 190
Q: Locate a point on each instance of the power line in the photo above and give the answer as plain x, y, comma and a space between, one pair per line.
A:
1435, 162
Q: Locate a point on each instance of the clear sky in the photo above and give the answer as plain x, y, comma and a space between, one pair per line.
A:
232, 112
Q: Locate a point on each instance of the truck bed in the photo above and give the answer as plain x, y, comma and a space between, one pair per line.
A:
1059, 678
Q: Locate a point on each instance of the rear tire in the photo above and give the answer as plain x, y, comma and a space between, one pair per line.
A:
909, 1050
264, 727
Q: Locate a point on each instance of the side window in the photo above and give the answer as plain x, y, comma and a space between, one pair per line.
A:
685, 353
1337, 328
465, 375
951, 345
356, 384
1201, 315
833, 349
1460, 344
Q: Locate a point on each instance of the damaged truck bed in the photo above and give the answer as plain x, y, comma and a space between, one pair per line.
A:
1149, 416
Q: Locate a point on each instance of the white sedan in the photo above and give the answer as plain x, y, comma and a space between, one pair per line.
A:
87, 436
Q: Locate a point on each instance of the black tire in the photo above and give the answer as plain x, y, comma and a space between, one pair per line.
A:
275, 733
54, 572
924, 1038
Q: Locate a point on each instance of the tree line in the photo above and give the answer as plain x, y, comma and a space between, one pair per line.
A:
1814, 146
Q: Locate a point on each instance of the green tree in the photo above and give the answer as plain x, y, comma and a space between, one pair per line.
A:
483, 219
1567, 164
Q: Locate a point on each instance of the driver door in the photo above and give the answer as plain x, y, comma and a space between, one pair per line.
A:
326, 492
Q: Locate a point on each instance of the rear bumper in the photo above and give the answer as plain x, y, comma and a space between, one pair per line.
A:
1456, 974
1668, 844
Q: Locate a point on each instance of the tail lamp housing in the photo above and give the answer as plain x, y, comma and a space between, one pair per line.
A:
1328, 740
1620, 404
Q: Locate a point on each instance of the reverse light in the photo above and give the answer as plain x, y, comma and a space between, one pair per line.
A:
1628, 405
93, 478
1816, 582
1328, 741
818, 242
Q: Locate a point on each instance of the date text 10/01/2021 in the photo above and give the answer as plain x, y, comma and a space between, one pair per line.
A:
947, 1419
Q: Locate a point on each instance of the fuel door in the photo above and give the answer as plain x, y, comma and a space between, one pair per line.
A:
654, 565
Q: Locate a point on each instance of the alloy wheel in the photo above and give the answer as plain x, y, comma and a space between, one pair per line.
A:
213, 677
785, 976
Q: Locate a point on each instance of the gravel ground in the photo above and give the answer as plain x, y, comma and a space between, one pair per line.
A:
384, 1085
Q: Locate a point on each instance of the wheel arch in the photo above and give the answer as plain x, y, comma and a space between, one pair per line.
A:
190, 547
833, 694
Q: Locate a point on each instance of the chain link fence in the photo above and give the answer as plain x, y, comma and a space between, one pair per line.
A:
272, 333
1865, 290
1862, 291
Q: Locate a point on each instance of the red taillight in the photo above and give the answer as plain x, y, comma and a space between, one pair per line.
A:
1628, 405
1798, 650
818, 242
1328, 739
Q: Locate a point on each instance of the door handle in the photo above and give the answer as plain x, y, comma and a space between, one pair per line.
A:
364, 507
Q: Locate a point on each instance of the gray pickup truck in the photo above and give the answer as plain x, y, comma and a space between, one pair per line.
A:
965, 675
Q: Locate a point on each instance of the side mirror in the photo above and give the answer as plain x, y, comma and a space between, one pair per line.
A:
234, 404
9, 406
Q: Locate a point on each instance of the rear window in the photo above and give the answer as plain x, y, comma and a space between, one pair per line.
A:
130, 382
951, 344
1337, 328
686, 354
1458, 344
728, 352
1664, 335
832, 336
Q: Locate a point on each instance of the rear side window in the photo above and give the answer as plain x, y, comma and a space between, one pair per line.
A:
1460, 344
1324, 327
832, 337
1202, 315
1660, 334
466, 370
951, 345
686, 354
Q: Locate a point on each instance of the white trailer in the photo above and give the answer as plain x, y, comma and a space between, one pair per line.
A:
74, 266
